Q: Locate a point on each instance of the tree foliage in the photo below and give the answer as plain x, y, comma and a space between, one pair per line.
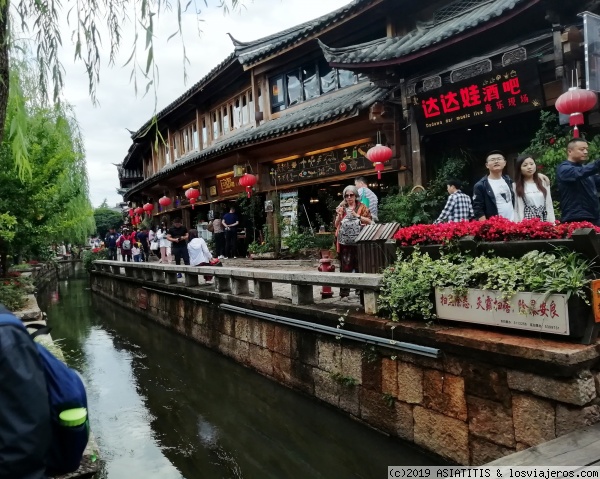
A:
105, 219
50, 205
93, 25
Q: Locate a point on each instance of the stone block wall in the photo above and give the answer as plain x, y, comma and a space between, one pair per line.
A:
466, 411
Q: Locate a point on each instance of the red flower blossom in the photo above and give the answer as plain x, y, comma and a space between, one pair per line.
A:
493, 229
552, 141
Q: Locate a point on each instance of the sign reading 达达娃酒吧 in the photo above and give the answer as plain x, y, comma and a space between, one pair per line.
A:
503, 92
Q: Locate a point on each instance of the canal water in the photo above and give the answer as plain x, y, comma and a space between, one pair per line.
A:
164, 407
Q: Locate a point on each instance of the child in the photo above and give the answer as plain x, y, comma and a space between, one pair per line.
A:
135, 251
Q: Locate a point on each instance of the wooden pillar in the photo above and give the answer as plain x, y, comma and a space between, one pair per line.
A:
418, 163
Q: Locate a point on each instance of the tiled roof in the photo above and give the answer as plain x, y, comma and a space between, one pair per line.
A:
424, 35
183, 98
328, 108
251, 52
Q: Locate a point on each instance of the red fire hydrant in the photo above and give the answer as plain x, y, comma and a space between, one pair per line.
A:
326, 266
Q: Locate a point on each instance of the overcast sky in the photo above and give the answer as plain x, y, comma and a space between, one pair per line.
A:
104, 127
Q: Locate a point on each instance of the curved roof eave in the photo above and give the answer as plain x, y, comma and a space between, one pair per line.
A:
253, 52
328, 110
424, 38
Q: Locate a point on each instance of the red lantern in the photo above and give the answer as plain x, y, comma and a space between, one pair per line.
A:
148, 207
164, 201
248, 181
191, 194
575, 102
378, 155
131, 212
139, 211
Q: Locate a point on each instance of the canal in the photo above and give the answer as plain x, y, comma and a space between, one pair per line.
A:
165, 407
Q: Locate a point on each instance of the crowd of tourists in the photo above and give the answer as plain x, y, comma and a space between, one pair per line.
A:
528, 196
496, 194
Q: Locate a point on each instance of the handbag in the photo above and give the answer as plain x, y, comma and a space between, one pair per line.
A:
349, 230
211, 227
154, 245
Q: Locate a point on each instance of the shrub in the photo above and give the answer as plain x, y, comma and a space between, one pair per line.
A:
12, 295
88, 257
297, 241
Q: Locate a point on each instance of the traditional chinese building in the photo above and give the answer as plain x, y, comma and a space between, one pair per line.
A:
300, 108
473, 74
276, 109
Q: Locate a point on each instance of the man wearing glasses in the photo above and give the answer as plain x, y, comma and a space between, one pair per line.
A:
493, 194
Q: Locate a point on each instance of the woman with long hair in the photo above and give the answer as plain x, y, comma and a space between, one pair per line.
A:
164, 244
351, 216
532, 192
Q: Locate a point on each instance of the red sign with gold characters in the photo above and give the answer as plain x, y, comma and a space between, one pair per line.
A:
503, 92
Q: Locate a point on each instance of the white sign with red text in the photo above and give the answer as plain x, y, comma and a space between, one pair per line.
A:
530, 311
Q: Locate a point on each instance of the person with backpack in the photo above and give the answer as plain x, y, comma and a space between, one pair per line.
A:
111, 243
44, 426
25, 433
125, 244
351, 216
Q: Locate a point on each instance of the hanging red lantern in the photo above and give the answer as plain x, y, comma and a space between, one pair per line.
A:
139, 211
131, 212
148, 207
165, 201
378, 155
191, 194
575, 102
248, 181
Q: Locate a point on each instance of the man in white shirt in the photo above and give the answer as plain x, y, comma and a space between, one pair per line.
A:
493, 194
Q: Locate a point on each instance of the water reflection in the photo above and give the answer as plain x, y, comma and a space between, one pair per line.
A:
164, 407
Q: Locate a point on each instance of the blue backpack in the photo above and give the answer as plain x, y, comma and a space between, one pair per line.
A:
65, 391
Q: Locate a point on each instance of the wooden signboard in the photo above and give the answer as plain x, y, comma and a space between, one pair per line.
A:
322, 165
228, 185
529, 311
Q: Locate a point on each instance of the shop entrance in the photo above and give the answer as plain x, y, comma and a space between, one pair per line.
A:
511, 135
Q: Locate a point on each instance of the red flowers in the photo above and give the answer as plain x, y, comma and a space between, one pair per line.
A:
493, 229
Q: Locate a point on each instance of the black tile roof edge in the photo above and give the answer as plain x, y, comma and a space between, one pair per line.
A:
345, 111
332, 55
231, 58
292, 35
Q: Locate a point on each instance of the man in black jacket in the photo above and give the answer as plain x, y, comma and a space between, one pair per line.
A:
25, 412
578, 185
493, 195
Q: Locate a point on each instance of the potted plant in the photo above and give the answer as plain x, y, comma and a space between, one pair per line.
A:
542, 292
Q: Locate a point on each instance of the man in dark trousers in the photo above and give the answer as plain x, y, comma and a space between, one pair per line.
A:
25, 433
493, 194
111, 243
578, 185
178, 235
142, 237
230, 223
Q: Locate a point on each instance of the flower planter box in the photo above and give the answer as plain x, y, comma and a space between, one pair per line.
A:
583, 241
268, 255
525, 311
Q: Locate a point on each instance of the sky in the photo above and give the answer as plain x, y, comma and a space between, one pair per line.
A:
104, 126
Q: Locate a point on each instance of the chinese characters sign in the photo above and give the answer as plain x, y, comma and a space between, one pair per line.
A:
228, 185
530, 311
512, 89
335, 162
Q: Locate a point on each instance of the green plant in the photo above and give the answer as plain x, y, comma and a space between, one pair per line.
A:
389, 400
12, 295
89, 256
370, 354
298, 240
409, 283
403, 207
347, 381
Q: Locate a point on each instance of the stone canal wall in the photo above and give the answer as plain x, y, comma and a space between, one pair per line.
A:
488, 396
